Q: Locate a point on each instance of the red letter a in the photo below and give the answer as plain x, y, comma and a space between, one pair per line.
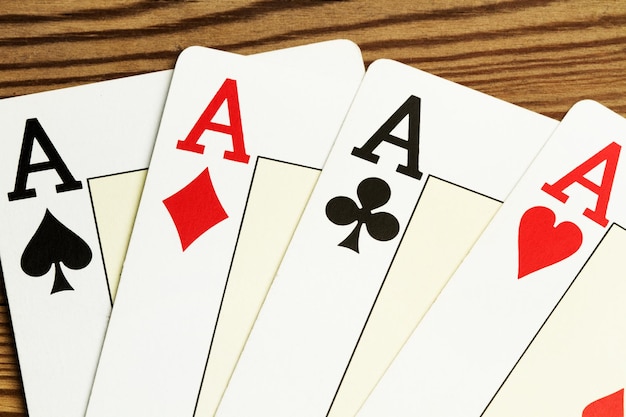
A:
228, 93
610, 154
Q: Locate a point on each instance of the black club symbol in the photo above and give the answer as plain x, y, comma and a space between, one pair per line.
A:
372, 193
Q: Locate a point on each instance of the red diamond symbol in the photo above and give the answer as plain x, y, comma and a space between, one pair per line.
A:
195, 209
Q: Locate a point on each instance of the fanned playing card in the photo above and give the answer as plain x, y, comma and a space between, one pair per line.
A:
414, 150
541, 240
59, 149
226, 120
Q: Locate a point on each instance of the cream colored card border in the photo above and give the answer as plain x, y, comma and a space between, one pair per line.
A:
115, 199
278, 194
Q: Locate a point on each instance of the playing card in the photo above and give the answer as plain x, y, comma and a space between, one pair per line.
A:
577, 357
224, 117
409, 138
54, 144
523, 263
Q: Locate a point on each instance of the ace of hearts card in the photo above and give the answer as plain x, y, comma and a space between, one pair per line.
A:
59, 151
407, 133
542, 244
225, 116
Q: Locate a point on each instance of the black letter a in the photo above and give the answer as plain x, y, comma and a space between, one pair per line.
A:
410, 108
32, 131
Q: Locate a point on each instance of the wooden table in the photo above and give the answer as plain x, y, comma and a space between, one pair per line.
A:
543, 55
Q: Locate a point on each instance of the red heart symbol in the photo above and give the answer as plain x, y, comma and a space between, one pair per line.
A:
541, 244
610, 406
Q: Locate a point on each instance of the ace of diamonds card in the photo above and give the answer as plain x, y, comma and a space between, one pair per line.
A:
225, 116
551, 232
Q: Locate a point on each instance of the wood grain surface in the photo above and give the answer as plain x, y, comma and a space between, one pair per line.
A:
543, 55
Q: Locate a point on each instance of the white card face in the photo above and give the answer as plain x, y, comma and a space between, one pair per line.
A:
371, 188
516, 273
576, 359
224, 115
52, 245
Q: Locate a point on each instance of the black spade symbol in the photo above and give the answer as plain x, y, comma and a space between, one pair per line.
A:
372, 193
53, 244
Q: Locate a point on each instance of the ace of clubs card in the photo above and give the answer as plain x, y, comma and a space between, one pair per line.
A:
489, 313
405, 131
223, 116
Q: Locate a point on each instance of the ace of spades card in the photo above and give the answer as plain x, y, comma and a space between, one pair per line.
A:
224, 117
492, 310
407, 132
55, 145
